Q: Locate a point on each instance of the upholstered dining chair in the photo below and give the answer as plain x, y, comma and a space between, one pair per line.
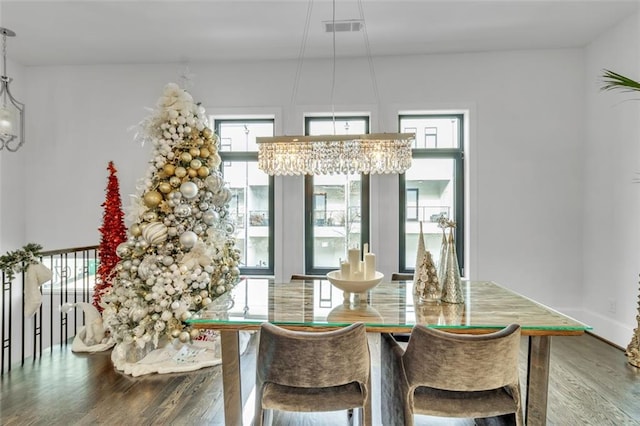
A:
302, 277
451, 375
399, 276
313, 371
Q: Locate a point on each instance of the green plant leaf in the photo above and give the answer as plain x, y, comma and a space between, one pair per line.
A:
614, 81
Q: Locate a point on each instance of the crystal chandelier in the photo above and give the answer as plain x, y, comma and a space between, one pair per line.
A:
335, 154
375, 153
11, 110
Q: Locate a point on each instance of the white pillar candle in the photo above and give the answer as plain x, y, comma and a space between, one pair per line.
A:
354, 260
345, 270
369, 266
366, 248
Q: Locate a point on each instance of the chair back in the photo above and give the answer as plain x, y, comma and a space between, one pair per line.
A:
462, 362
399, 276
302, 277
313, 359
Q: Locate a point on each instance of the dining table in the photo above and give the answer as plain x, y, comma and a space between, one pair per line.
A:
389, 307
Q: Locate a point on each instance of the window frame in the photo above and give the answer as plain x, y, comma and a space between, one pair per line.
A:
365, 199
455, 154
251, 156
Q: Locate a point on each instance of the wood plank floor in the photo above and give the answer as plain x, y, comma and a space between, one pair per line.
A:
591, 384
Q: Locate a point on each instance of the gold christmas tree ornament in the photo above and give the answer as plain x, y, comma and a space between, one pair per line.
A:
452, 287
442, 261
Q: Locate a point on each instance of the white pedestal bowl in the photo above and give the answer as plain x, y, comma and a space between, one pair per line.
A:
350, 286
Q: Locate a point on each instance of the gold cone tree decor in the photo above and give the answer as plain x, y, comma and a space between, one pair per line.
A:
442, 262
452, 287
633, 349
426, 287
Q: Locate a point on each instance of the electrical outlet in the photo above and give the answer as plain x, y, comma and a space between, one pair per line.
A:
612, 306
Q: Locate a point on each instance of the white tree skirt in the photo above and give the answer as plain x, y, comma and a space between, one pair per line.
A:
79, 343
175, 358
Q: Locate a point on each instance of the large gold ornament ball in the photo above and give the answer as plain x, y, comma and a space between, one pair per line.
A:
135, 230
203, 171
204, 152
181, 172
207, 133
152, 199
192, 172
195, 164
195, 152
169, 169
165, 187
186, 157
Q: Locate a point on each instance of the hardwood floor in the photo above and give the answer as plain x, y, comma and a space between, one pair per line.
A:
591, 384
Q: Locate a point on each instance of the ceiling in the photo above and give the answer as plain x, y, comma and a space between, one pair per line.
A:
80, 32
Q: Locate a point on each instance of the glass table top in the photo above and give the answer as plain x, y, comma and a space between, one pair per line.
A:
388, 307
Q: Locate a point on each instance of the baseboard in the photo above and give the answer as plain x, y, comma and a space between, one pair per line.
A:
604, 328
608, 342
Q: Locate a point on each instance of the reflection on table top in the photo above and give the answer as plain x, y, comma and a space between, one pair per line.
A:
389, 308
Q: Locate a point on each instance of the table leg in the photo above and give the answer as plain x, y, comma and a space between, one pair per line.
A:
231, 378
538, 380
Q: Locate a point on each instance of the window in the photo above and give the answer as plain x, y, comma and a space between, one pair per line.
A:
413, 206
251, 205
336, 206
433, 187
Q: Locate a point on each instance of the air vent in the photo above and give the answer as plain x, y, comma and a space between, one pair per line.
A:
346, 26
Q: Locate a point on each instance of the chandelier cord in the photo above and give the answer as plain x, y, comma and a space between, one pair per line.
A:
4, 54
372, 70
4, 69
303, 46
333, 70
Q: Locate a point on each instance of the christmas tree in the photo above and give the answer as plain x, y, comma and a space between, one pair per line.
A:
113, 233
180, 253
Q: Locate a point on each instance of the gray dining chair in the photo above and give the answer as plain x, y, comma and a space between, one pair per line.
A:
451, 375
400, 276
303, 277
305, 371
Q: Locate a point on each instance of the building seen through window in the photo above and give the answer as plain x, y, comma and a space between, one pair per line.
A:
251, 206
337, 206
433, 187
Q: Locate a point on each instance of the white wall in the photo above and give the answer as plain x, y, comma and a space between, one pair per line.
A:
611, 198
525, 162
